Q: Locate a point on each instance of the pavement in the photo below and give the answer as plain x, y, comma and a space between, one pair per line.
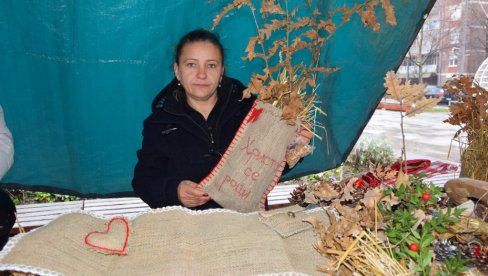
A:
426, 135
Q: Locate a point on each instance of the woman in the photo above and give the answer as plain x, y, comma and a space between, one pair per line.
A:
7, 207
194, 119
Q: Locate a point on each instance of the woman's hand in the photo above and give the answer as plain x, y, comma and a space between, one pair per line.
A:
300, 147
303, 135
190, 195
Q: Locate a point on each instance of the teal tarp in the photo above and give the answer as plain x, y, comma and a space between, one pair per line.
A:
77, 79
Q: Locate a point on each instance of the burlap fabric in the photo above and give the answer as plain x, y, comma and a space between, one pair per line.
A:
254, 161
173, 241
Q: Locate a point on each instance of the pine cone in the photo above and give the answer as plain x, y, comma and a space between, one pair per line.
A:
444, 250
298, 196
359, 193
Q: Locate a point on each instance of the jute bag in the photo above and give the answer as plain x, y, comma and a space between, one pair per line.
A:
254, 161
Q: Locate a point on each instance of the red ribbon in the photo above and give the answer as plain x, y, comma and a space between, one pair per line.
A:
255, 113
410, 166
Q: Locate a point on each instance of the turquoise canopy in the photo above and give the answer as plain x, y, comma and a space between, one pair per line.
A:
78, 77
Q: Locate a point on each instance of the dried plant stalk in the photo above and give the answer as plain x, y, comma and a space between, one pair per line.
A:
475, 157
281, 33
407, 94
471, 115
367, 255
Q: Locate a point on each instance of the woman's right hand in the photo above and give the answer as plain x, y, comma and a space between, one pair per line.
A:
190, 195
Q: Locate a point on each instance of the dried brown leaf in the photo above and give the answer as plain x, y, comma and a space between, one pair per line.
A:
407, 93
402, 178
228, 8
246, 94
471, 110
389, 11
251, 45
292, 107
315, 222
368, 17
349, 189
372, 197
327, 25
325, 192
392, 83
271, 7
390, 174
300, 23
312, 34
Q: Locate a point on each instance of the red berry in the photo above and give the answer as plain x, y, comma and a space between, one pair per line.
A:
359, 183
476, 251
414, 247
426, 196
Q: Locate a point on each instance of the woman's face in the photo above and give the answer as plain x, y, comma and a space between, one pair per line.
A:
200, 71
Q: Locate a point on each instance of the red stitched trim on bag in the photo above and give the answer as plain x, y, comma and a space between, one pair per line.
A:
118, 251
237, 137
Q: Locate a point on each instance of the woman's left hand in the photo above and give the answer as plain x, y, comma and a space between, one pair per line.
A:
304, 135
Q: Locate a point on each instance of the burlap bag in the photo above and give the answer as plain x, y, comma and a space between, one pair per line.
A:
254, 161
172, 241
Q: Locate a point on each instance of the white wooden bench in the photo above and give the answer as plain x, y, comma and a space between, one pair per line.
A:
34, 215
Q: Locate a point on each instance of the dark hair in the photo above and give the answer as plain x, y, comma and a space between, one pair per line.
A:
197, 36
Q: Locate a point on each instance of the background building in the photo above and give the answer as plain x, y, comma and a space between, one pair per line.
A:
453, 40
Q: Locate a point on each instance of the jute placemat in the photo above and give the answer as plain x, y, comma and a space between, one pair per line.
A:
171, 241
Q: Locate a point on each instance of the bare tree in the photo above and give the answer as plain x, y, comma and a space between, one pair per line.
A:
425, 50
478, 13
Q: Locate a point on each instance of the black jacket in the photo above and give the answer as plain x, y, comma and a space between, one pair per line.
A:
179, 144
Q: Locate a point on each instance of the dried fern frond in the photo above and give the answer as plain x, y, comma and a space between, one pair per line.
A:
285, 82
230, 7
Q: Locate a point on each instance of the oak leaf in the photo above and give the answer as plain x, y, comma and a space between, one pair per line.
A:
315, 222
372, 197
349, 189
402, 178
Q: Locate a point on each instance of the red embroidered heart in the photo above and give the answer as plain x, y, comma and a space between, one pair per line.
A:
111, 240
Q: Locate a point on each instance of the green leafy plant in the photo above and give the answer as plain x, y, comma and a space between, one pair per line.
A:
454, 266
28, 197
369, 151
408, 227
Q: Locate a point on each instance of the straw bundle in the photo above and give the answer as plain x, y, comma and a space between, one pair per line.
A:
475, 158
369, 256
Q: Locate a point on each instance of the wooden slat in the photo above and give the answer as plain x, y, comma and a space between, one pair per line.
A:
441, 179
35, 215
280, 194
109, 201
120, 212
